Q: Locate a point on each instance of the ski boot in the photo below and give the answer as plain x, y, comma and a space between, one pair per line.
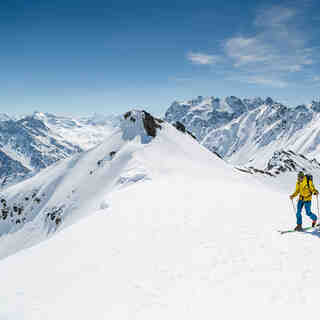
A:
298, 227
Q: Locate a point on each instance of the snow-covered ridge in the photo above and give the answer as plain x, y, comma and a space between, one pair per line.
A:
76, 186
285, 162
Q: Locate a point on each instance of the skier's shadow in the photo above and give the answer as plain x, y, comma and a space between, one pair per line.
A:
315, 233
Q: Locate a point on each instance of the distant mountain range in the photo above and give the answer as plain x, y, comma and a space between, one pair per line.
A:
31, 143
248, 132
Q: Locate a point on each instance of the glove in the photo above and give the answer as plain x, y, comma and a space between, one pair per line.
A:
316, 192
291, 197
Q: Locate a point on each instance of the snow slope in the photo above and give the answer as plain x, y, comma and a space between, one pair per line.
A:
170, 231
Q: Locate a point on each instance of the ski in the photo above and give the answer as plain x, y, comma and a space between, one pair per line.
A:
303, 229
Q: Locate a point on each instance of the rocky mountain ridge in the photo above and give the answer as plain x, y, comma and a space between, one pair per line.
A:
247, 132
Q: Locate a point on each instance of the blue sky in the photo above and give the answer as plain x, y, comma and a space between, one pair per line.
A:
80, 57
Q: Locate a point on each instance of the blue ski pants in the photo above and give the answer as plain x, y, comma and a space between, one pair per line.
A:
307, 206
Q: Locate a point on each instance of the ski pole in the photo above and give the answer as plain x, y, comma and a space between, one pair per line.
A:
293, 206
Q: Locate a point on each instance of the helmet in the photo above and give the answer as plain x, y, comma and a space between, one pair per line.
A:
300, 174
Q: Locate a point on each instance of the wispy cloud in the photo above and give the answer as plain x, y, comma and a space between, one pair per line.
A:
276, 49
316, 78
202, 58
277, 45
244, 51
276, 16
261, 80
180, 79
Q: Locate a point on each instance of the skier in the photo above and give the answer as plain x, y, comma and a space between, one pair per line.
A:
306, 189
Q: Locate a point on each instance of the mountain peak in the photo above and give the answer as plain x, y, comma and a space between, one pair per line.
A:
140, 123
269, 101
4, 117
315, 106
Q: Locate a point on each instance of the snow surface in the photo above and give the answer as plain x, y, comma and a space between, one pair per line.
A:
168, 231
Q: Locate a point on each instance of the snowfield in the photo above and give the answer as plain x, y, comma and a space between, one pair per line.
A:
163, 230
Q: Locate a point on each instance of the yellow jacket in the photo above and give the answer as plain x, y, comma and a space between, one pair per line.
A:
304, 191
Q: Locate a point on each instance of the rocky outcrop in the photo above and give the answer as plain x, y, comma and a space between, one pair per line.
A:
179, 126
151, 124
285, 161
140, 123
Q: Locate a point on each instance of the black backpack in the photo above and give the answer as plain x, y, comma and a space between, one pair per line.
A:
309, 177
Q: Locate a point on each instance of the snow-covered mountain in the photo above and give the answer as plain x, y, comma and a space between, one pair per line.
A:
4, 117
85, 132
31, 143
284, 162
61, 193
249, 131
169, 230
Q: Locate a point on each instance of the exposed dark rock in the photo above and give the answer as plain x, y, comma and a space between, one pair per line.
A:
112, 154
217, 154
4, 213
127, 115
58, 221
151, 124
252, 170
180, 126
192, 135
244, 170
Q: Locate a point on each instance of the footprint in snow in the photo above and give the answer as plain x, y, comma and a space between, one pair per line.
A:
104, 205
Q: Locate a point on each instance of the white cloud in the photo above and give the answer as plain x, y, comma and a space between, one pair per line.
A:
277, 46
316, 78
202, 58
180, 79
278, 49
261, 80
275, 16
245, 51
